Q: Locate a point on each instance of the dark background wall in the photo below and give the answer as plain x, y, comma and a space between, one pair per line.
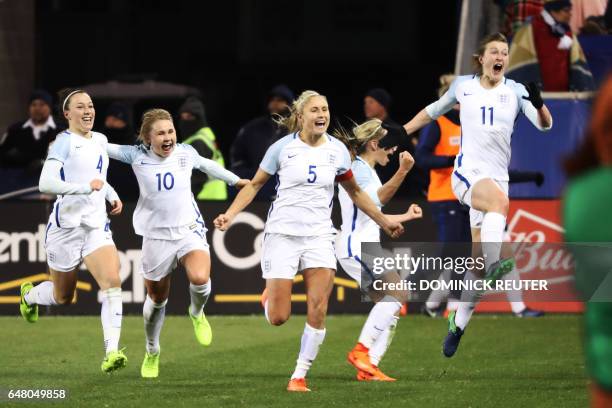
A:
235, 50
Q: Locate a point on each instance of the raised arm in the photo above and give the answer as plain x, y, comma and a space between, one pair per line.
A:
123, 153
242, 200
388, 190
215, 170
533, 107
365, 204
433, 110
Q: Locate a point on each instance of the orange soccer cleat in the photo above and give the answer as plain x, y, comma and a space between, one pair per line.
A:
297, 385
377, 376
359, 358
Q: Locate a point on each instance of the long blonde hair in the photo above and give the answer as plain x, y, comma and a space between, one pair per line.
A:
148, 119
359, 136
291, 122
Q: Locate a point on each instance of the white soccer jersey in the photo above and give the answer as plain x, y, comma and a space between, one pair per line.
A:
357, 227
305, 184
166, 208
487, 122
83, 159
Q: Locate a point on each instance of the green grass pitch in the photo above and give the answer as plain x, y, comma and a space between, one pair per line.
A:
502, 362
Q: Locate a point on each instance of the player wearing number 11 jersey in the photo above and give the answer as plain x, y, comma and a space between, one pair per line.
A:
489, 106
168, 219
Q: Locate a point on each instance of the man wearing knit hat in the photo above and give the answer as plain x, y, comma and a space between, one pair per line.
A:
254, 138
546, 52
25, 143
376, 104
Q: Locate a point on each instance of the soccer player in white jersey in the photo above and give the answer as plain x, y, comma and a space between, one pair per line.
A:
299, 234
168, 219
78, 229
365, 143
489, 106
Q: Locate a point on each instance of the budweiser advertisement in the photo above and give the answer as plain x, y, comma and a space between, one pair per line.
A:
535, 230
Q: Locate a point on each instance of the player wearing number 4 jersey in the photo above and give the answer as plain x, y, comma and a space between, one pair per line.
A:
171, 225
299, 233
489, 106
78, 229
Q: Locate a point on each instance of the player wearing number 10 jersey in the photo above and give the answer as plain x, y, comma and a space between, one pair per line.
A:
171, 225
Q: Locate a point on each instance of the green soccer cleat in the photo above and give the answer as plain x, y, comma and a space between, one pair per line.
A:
202, 329
499, 269
29, 312
150, 365
114, 361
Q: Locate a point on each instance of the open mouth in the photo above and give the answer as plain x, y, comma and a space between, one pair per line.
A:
497, 68
167, 146
87, 120
320, 124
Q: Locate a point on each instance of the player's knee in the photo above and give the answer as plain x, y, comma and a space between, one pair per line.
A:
501, 204
199, 280
278, 319
63, 298
157, 298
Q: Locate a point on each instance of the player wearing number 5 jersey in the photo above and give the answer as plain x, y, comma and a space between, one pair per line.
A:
171, 225
489, 106
78, 229
299, 234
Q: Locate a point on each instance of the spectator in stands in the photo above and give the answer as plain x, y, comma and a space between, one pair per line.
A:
546, 52
118, 129
256, 136
518, 12
376, 104
583, 9
25, 143
117, 126
194, 130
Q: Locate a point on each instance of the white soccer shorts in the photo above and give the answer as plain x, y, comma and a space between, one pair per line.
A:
284, 255
66, 247
160, 256
463, 180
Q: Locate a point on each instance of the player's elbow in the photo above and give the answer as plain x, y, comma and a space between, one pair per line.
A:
43, 186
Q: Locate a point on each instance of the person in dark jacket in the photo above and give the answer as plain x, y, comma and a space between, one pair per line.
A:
376, 104
256, 136
25, 143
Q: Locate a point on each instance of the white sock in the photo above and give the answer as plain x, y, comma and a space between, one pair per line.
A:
469, 300
379, 348
111, 314
452, 304
153, 314
492, 236
311, 341
438, 295
515, 297
380, 318
199, 295
41, 294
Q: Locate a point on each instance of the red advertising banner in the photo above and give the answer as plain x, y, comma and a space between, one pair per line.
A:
538, 221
